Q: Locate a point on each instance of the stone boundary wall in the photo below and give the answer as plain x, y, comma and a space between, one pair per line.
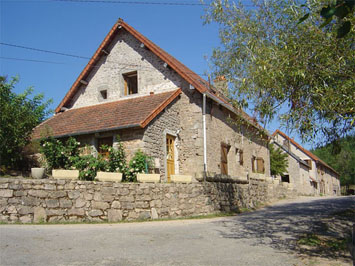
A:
54, 200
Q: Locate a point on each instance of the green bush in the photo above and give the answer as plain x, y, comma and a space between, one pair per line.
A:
67, 156
19, 114
89, 165
140, 163
117, 157
59, 155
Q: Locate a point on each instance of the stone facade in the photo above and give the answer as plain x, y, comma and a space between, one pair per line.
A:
181, 119
326, 181
46, 200
126, 55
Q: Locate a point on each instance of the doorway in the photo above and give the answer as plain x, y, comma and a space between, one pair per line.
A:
170, 156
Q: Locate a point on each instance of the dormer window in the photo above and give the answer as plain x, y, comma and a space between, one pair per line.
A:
130, 83
103, 94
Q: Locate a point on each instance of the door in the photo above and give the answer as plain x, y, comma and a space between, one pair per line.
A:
224, 159
170, 160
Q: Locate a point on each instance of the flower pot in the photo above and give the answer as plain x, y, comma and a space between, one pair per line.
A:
148, 178
65, 174
109, 176
37, 173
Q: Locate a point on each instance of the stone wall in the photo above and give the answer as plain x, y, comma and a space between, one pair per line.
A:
126, 55
238, 138
51, 200
154, 139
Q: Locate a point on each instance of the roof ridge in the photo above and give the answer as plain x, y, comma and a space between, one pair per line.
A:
310, 154
122, 100
186, 73
132, 112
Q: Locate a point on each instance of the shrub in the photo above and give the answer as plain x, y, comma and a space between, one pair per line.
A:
140, 163
19, 114
89, 165
58, 155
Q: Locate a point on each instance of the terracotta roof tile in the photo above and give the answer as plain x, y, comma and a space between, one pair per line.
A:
134, 112
311, 155
190, 76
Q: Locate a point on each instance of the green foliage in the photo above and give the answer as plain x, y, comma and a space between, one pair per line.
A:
310, 240
117, 158
340, 12
67, 156
140, 163
19, 114
341, 157
59, 155
89, 165
278, 160
277, 67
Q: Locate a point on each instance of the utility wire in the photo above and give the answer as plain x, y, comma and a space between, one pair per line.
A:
43, 51
113, 2
141, 67
133, 2
31, 60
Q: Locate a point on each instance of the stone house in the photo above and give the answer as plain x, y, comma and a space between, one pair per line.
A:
308, 174
132, 88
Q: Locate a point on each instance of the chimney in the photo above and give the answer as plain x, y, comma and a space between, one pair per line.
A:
221, 85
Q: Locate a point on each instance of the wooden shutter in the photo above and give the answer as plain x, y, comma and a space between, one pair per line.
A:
260, 165
241, 159
253, 164
224, 159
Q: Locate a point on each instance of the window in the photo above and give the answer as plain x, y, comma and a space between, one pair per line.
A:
224, 158
103, 94
130, 83
104, 141
257, 165
239, 155
285, 178
309, 162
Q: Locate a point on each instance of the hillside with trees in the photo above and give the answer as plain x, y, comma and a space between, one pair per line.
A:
341, 157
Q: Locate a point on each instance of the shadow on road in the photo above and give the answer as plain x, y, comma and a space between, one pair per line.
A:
281, 226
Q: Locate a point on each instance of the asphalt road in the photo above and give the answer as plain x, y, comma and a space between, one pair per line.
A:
264, 237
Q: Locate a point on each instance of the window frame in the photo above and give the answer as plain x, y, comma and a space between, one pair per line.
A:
127, 79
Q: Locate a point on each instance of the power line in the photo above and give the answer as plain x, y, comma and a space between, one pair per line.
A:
113, 2
122, 65
133, 2
43, 51
31, 60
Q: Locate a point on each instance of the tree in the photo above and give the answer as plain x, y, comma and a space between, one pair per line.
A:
19, 114
279, 68
342, 11
342, 160
278, 161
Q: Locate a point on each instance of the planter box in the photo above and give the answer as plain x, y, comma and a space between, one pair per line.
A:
181, 179
108, 176
148, 178
37, 173
65, 174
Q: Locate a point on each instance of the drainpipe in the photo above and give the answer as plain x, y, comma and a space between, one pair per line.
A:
204, 136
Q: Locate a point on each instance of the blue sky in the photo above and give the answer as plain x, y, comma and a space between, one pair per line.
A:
79, 28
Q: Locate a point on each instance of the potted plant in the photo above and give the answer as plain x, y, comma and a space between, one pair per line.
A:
39, 172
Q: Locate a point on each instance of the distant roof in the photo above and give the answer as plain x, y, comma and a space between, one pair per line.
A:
190, 76
311, 155
127, 113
